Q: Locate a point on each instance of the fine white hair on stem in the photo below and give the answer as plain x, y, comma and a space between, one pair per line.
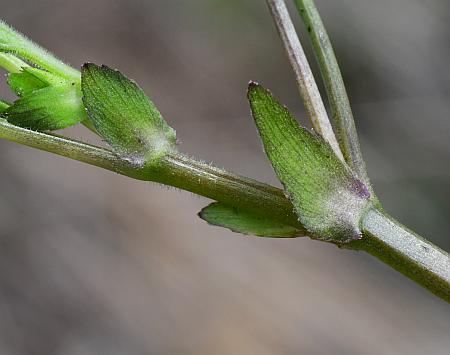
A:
305, 80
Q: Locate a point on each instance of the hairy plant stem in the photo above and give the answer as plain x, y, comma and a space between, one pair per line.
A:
172, 169
220, 185
335, 88
65, 147
305, 80
383, 237
405, 251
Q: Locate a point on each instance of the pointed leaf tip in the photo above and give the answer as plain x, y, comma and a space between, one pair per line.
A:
328, 199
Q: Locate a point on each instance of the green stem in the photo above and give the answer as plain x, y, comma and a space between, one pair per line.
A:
19, 45
383, 237
11, 63
306, 83
335, 88
65, 147
407, 252
231, 189
173, 170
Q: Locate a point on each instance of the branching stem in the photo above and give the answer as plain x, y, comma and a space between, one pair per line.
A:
335, 88
383, 236
172, 169
305, 80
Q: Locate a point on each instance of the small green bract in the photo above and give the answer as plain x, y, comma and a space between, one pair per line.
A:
328, 199
245, 222
124, 116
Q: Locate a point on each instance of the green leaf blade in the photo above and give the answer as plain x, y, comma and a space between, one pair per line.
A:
124, 115
327, 197
245, 222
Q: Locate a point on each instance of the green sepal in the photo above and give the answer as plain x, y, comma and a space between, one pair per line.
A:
245, 222
31, 79
123, 115
328, 198
47, 109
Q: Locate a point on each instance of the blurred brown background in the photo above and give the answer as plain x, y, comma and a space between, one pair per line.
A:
95, 263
